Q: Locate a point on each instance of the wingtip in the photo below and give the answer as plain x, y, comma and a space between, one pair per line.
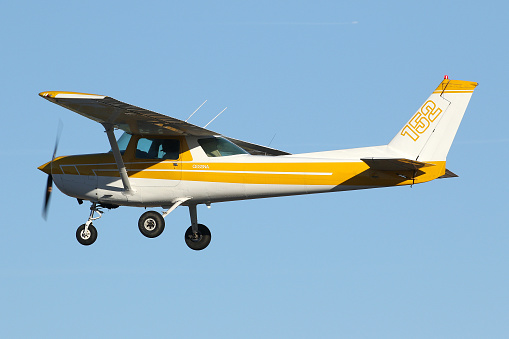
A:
69, 95
46, 94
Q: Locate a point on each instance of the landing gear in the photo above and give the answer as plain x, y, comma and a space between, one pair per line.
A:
151, 224
197, 236
86, 234
199, 239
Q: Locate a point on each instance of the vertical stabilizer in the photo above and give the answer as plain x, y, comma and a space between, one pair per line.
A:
428, 135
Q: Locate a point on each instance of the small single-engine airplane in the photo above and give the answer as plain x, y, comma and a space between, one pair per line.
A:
164, 162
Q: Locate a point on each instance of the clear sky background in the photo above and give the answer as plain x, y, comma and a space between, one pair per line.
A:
424, 262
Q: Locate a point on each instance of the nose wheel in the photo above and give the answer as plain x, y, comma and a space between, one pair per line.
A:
86, 235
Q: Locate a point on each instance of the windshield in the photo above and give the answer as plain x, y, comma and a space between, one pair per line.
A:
219, 147
122, 142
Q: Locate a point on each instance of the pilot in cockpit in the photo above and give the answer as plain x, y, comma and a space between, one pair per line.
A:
170, 149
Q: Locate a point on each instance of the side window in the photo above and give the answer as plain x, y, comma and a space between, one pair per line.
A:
151, 148
219, 147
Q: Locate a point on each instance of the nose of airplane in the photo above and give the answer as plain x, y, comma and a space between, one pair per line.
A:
46, 168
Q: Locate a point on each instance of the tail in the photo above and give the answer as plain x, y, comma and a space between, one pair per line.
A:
428, 135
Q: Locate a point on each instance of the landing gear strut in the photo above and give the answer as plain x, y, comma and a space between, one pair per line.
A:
86, 234
197, 236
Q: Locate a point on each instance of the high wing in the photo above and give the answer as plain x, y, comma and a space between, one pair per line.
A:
136, 120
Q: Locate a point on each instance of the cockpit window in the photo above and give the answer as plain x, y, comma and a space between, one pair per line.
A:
219, 147
151, 148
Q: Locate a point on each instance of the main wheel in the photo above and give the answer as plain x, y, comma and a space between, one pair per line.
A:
88, 237
151, 224
200, 240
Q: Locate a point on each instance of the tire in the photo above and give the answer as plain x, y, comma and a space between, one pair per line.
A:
201, 241
86, 238
151, 224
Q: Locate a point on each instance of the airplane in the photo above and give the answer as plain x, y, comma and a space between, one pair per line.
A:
164, 162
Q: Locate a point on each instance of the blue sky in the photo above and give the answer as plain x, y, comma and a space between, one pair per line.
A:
424, 262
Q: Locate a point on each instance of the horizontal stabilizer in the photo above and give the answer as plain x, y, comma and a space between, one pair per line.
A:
395, 164
448, 174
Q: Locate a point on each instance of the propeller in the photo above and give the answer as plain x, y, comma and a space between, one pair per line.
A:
49, 183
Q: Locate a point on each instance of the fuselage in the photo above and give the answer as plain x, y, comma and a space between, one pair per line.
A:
207, 175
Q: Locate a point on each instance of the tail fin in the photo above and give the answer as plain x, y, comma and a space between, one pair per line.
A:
428, 135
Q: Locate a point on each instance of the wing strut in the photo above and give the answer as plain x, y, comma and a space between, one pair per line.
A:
118, 157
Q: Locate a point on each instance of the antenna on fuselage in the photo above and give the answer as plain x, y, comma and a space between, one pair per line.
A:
215, 117
195, 111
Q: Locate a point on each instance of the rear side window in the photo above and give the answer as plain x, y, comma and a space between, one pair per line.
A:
219, 147
152, 148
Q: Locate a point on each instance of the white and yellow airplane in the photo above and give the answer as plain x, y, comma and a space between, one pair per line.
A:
161, 161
